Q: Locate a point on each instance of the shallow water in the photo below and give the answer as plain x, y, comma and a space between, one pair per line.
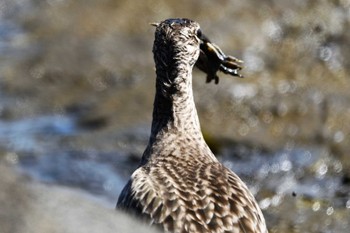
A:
37, 146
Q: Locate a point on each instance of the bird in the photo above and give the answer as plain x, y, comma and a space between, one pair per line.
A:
179, 184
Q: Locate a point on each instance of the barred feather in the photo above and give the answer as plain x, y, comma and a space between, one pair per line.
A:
180, 185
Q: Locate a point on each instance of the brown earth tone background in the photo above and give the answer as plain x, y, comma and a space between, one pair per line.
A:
76, 92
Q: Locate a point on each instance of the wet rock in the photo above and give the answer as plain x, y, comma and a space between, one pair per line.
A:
27, 206
93, 123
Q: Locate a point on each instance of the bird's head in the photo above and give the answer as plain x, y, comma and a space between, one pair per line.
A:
176, 41
180, 41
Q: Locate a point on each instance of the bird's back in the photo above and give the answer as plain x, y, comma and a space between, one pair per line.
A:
195, 194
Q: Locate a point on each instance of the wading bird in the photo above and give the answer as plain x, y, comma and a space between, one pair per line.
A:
179, 184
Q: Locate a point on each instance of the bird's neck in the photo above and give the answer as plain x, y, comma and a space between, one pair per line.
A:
174, 112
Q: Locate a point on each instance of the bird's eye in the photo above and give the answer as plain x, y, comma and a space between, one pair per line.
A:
199, 33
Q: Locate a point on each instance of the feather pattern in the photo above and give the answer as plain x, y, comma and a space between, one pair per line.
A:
180, 185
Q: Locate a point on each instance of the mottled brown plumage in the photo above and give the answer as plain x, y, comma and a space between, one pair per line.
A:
180, 185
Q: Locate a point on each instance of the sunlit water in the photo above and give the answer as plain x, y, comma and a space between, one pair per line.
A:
35, 144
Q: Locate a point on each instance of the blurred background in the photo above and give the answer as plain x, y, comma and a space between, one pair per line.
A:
76, 94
